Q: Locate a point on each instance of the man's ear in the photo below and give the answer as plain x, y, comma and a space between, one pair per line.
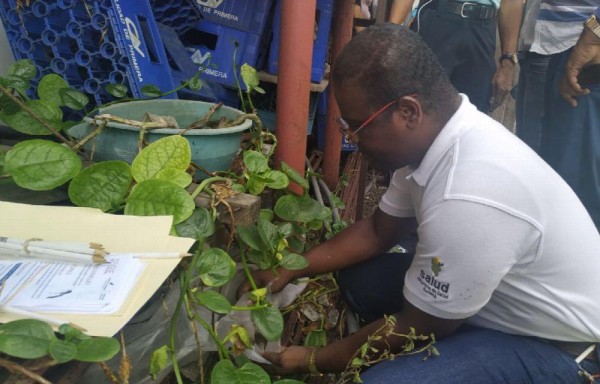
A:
409, 111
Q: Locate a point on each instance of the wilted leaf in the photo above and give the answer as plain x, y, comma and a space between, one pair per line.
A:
103, 185
41, 165
159, 197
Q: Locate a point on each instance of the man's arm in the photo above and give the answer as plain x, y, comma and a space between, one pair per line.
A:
400, 11
509, 25
335, 356
359, 242
586, 51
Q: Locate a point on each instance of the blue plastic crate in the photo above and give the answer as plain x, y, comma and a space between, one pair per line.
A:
91, 44
245, 15
213, 47
177, 14
320, 46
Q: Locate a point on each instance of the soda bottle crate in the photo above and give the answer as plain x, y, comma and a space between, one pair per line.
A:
213, 48
90, 43
176, 14
323, 16
245, 15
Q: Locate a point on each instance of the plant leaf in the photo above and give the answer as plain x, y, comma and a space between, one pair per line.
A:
158, 360
168, 152
49, 89
24, 347
159, 197
214, 301
316, 338
225, 372
102, 185
28, 327
97, 349
268, 233
23, 122
215, 267
117, 90
294, 261
249, 76
294, 175
175, 176
62, 350
256, 162
300, 208
41, 165
73, 99
269, 322
279, 180
250, 236
23, 68
195, 83
198, 226
151, 90
255, 185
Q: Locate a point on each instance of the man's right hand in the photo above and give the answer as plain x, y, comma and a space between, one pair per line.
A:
267, 278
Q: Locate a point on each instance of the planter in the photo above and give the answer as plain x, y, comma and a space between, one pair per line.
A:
212, 149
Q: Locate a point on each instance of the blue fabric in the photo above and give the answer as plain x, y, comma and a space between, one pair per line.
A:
466, 48
530, 92
597, 12
471, 355
571, 137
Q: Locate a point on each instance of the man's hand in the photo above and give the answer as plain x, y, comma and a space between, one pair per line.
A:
586, 51
289, 360
264, 278
502, 83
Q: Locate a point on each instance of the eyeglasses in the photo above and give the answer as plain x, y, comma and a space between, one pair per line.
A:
349, 134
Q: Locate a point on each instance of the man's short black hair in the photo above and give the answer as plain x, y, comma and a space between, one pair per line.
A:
387, 61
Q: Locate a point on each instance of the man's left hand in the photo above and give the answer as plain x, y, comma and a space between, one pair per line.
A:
289, 360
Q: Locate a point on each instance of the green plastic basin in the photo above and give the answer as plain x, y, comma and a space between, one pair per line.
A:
212, 149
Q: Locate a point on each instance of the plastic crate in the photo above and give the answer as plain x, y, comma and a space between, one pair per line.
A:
91, 44
266, 107
177, 14
245, 15
213, 47
320, 47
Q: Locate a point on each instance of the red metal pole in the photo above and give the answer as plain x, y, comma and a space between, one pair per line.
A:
341, 34
293, 86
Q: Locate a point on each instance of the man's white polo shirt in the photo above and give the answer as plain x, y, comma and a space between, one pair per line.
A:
502, 238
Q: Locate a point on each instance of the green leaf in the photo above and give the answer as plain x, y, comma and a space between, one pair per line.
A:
23, 68
72, 334
214, 301
103, 185
259, 258
2, 157
249, 76
294, 261
158, 360
73, 99
62, 351
285, 229
300, 208
225, 372
256, 162
175, 176
24, 347
41, 165
195, 83
97, 349
316, 338
279, 180
269, 322
117, 90
24, 122
268, 233
168, 152
198, 226
250, 236
255, 185
50, 87
19, 83
295, 243
159, 197
267, 214
294, 175
259, 90
215, 267
7, 105
151, 90
28, 327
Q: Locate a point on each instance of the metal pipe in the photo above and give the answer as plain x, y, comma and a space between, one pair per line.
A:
293, 86
343, 16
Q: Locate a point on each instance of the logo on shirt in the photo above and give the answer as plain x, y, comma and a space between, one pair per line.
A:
436, 266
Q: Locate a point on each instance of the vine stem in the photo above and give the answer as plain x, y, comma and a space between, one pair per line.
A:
35, 116
220, 347
16, 368
205, 183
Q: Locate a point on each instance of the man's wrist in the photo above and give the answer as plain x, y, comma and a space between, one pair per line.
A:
509, 57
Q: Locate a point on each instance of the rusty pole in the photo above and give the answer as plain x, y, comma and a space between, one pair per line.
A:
293, 86
341, 34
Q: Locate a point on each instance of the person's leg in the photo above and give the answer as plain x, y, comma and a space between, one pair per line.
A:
374, 288
529, 98
477, 355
